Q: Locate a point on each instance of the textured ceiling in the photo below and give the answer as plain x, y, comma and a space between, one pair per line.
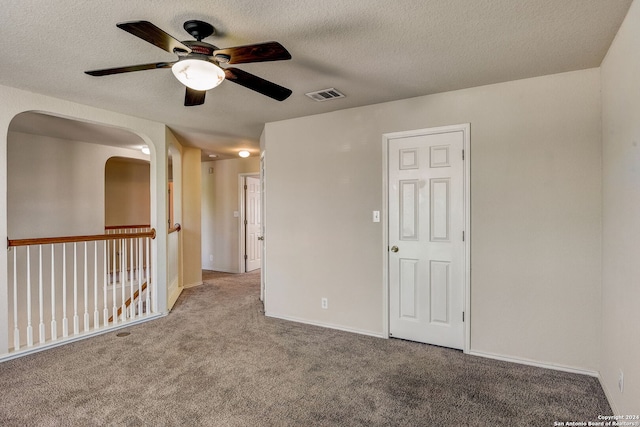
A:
371, 50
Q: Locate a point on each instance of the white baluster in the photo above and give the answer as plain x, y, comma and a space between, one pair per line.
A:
114, 282
29, 327
65, 321
139, 274
76, 318
86, 291
54, 324
96, 312
16, 330
132, 306
105, 313
41, 333
123, 277
150, 285
134, 242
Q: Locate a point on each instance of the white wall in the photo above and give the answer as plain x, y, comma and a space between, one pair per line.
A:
220, 229
621, 216
56, 187
535, 214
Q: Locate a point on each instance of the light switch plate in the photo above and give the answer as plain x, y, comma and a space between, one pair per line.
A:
236, 214
376, 216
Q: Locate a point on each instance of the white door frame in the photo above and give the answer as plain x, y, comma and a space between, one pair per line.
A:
242, 181
263, 232
466, 130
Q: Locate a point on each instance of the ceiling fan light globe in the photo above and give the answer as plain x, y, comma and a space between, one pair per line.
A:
198, 74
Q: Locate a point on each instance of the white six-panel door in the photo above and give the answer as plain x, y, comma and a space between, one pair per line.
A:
426, 216
253, 226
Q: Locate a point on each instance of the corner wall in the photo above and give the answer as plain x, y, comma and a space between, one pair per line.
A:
621, 216
191, 217
535, 215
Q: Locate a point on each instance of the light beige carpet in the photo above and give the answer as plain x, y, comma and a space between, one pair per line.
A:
217, 361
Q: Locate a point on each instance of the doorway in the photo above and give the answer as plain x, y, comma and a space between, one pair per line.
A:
250, 223
426, 235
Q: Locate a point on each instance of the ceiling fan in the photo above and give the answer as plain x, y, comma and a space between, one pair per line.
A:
198, 64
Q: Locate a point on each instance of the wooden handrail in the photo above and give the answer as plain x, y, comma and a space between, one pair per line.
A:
120, 227
72, 239
176, 227
128, 303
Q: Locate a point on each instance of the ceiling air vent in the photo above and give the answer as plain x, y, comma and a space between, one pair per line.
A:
325, 95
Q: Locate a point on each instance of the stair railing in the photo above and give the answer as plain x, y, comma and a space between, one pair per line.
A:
65, 287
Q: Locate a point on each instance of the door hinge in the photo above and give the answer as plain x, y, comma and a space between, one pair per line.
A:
245, 222
245, 187
463, 316
462, 154
245, 257
463, 236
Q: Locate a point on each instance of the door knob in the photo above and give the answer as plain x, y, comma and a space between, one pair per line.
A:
394, 249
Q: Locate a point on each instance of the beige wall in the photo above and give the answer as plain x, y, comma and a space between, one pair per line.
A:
535, 214
56, 187
621, 216
127, 196
220, 199
191, 216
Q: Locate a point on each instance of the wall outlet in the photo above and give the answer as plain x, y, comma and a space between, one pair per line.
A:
324, 303
621, 381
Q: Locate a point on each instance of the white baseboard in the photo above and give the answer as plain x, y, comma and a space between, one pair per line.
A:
609, 396
192, 285
174, 296
327, 325
224, 270
538, 364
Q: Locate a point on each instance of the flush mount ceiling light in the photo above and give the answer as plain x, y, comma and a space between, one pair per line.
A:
244, 153
213, 156
198, 74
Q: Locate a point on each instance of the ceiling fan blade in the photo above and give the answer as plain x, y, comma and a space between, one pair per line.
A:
258, 84
154, 35
118, 70
194, 97
270, 51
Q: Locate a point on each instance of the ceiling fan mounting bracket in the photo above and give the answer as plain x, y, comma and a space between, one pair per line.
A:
199, 29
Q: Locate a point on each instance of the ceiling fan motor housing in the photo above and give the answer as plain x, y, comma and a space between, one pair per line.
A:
204, 51
200, 48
